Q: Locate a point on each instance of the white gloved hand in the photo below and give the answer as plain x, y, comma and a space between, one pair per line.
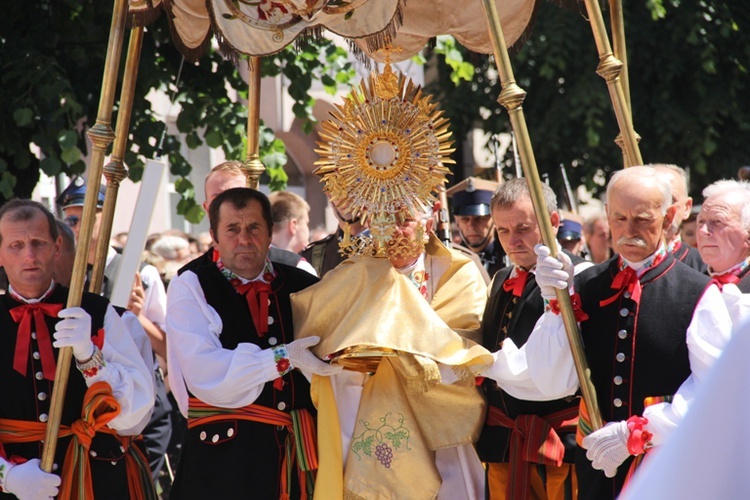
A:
75, 331
608, 447
303, 359
28, 481
551, 272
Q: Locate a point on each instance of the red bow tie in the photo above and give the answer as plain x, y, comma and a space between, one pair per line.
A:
724, 279
24, 314
517, 283
256, 293
625, 281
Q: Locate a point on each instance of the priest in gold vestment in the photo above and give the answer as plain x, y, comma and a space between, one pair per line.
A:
406, 430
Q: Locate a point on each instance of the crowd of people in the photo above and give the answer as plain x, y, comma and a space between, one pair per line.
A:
219, 369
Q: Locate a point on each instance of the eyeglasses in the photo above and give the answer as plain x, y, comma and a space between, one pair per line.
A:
72, 220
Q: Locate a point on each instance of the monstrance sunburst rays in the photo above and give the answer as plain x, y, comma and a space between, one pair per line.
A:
383, 155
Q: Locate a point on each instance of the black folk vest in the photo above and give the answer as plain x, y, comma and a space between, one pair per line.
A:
634, 350
28, 397
235, 458
515, 317
690, 257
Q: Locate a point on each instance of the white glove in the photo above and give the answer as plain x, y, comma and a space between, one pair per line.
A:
303, 359
28, 481
608, 447
552, 272
75, 331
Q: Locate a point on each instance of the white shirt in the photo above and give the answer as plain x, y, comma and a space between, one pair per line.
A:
228, 378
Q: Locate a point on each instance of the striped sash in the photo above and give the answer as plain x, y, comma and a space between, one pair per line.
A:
300, 443
99, 408
534, 439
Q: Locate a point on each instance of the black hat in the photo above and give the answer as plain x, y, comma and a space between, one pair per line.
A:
472, 196
569, 230
74, 194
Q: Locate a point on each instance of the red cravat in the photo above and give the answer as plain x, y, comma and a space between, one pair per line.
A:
724, 279
517, 283
625, 281
256, 293
23, 315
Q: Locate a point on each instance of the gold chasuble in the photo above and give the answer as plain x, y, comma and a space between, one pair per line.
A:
407, 409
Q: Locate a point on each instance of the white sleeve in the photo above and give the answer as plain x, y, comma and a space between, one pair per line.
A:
125, 371
551, 370
542, 369
197, 361
708, 333
155, 301
140, 338
306, 266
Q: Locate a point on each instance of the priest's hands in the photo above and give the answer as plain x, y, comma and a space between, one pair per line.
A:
551, 272
28, 481
608, 447
75, 331
302, 358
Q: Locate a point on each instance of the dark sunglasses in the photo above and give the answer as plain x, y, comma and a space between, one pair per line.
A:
72, 220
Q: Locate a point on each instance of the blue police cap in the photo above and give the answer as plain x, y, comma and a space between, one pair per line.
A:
472, 196
74, 194
569, 230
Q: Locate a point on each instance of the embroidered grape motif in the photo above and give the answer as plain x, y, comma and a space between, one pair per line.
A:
384, 453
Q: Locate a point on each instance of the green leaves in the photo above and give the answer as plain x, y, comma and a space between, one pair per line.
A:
460, 70
23, 116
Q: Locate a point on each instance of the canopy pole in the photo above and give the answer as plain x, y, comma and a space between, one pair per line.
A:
115, 171
610, 68
101, 136
252, 165
620, 52
511, 97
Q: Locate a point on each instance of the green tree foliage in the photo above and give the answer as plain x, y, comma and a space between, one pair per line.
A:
52, 58
688, 64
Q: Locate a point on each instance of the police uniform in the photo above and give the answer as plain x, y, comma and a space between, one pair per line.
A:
472, 197
324, 254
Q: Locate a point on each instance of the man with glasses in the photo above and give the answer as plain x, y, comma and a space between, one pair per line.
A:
471, 210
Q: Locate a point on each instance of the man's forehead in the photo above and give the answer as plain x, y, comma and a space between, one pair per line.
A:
641, 194
250, 212
36, 226
720, 205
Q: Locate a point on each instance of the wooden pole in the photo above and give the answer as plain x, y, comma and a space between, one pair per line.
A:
511, 97
101, 136
252, 165
620, 52
610, 68
115, 171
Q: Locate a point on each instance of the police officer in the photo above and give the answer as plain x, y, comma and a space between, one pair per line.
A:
471, 211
